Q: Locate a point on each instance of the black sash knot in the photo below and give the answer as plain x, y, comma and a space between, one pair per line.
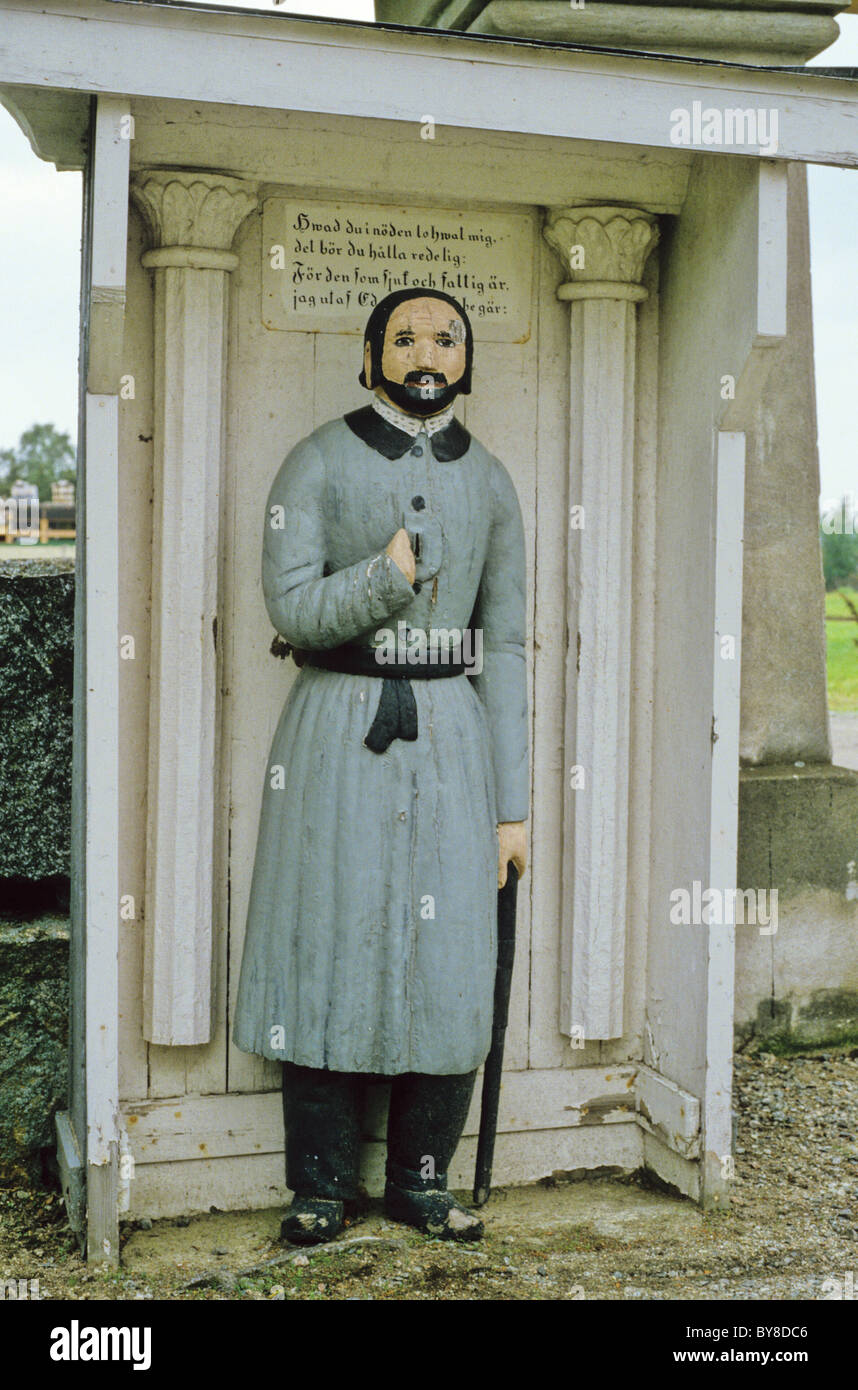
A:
396, 715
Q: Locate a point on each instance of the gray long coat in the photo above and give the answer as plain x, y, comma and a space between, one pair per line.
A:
371, 932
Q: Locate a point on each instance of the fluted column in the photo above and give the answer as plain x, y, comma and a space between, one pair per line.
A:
193, 218
603, 251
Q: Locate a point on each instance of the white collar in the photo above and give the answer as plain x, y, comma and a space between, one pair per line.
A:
412, 424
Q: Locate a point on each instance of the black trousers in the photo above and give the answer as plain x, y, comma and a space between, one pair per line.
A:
321, 1112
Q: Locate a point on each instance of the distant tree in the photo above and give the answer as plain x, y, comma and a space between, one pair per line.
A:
838, 535
42, 456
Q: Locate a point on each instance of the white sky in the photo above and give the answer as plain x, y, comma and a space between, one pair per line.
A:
39, 269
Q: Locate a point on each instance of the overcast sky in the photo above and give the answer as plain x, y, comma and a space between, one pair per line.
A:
39, 268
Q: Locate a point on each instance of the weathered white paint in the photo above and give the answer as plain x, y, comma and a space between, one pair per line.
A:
683, 1174
102, 775
331, 154
714, 268
770, 322
194, 217
136, 470
187, 1152
603, 252
107, 286
101, 838
228, 1125
772, 252
274, 61
248, 1182
646, 570
665, 1110
724, 812
55, 123
194, 1126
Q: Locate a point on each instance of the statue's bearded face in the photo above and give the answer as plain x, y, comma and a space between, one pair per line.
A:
423, 358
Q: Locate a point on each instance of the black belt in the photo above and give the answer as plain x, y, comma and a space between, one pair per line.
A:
396, 716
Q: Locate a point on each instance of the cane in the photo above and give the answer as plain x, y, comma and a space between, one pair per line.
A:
494, 1061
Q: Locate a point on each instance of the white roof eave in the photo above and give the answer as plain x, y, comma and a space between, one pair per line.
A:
371, 72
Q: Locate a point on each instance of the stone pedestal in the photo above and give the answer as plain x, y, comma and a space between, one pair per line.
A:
784, 702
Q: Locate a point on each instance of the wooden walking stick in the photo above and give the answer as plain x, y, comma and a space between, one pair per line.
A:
494, 1061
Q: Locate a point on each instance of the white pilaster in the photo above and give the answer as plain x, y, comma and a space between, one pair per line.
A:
724, 810
194, 218
96, 932
603, 251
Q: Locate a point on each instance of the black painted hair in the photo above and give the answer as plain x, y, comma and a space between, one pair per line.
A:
377, 325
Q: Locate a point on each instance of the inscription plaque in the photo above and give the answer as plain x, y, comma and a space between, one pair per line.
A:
325, 265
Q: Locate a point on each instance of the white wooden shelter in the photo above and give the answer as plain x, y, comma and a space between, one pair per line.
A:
644, 276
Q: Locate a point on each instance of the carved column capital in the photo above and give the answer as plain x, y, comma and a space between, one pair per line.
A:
603, 250
193, 217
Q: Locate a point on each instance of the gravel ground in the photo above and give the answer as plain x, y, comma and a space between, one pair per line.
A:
793, 1224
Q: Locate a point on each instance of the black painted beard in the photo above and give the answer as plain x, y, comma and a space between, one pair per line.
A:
416, 398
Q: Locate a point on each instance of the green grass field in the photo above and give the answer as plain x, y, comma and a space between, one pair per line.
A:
842, 645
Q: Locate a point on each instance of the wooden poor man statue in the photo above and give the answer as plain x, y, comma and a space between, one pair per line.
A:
394, 567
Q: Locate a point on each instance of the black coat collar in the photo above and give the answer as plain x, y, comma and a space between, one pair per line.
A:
447, 444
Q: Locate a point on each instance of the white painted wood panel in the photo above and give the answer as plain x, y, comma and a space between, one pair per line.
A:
210, 1126
318, 153
772, 245
501, 413
581, 1118
256, 1181
101, 659
548, 1048
270, 409
135, 548
724, 812
272, 61
713, 266
644, 597
102, 776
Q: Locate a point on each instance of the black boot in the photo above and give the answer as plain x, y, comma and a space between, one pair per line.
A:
320, 1113
427, 1116
311, 1220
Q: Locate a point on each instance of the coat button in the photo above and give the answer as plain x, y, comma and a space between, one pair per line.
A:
418, 503
417, 451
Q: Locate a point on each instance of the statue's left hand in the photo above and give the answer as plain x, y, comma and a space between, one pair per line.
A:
512, 845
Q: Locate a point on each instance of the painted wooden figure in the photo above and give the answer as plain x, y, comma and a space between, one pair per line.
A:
397, 786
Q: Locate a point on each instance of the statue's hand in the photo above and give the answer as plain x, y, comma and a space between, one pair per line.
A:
400, 552
512, 845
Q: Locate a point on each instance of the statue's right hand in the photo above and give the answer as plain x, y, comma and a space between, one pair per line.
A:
400, 552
